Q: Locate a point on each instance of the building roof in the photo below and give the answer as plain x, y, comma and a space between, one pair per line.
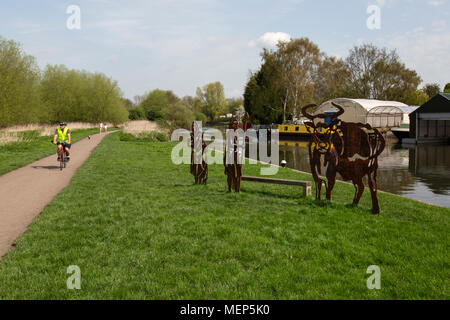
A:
439, 103
408, 109
445, 95
368, 104
385, 110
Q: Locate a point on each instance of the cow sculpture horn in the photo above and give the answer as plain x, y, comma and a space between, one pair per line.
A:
341, 110
305, 113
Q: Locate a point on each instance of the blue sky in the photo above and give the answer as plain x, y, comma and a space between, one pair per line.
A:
182, 44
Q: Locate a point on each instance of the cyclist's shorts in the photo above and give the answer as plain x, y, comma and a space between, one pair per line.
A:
67, 145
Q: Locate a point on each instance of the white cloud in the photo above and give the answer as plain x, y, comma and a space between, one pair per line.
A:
270, 39
436, 3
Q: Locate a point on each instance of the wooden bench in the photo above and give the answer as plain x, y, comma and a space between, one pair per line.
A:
305, 184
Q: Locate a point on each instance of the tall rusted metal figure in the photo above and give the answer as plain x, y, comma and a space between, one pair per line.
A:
235, 151
350, 149
199, 165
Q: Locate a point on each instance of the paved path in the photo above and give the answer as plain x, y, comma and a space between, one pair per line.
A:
26, 191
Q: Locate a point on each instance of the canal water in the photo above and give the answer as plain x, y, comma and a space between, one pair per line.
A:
420, 172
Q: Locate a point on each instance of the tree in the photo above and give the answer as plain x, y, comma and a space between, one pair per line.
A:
417, 98
212, 100
260, 97
299, 60
431, 89
59, 92
285, 81
189, 101
180, 115
138, 99
72, 95
128, 104
447, 88
19, 85
200, 116
155, 104
172, 97
331, 79
233, 104
376, 73
137, 113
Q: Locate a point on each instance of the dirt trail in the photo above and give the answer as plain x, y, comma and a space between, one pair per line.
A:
26, 191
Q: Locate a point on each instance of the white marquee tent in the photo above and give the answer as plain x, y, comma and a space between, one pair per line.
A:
377, 113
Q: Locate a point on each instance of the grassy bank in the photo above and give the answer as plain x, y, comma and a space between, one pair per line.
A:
139, 229
32, 147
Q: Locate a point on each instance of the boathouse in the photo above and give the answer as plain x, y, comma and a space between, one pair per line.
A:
431, 122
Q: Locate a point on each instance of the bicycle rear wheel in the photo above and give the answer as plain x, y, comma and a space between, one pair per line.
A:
62, 161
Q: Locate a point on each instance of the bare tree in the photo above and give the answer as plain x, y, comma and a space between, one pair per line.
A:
376, 73
299, 60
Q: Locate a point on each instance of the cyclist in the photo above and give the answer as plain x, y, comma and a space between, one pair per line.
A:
62, 139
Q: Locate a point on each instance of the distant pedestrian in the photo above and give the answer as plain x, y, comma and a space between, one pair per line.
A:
106, 127
101, 127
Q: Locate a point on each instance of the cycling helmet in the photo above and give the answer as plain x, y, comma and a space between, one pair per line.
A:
62, 123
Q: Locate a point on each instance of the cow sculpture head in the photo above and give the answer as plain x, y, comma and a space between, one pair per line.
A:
322, 133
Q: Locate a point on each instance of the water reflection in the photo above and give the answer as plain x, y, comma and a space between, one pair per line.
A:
418, 172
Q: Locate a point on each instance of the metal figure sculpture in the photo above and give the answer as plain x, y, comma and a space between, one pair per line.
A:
350, 149
233, 168
199, 164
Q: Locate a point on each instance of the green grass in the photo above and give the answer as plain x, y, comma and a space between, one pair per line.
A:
139, 229
32, 147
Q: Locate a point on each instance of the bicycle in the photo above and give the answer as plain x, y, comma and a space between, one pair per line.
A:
62, 158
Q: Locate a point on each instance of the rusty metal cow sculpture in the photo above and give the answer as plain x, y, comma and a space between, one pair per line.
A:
350, 149
233, 170
198, 170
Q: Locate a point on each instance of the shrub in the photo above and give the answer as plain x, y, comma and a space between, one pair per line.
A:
199, 116
180, 115
155, 104
144, 137
137, 113
447, 88
162, 137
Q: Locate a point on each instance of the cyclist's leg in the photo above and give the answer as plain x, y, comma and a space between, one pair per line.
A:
59, 149
67, 148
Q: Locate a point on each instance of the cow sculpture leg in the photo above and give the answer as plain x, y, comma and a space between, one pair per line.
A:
238, 177
205, 175
230, 179
331, 174
196, 171
330, 185
318, 182
230, 184
373, 185
315, 164
359, 189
